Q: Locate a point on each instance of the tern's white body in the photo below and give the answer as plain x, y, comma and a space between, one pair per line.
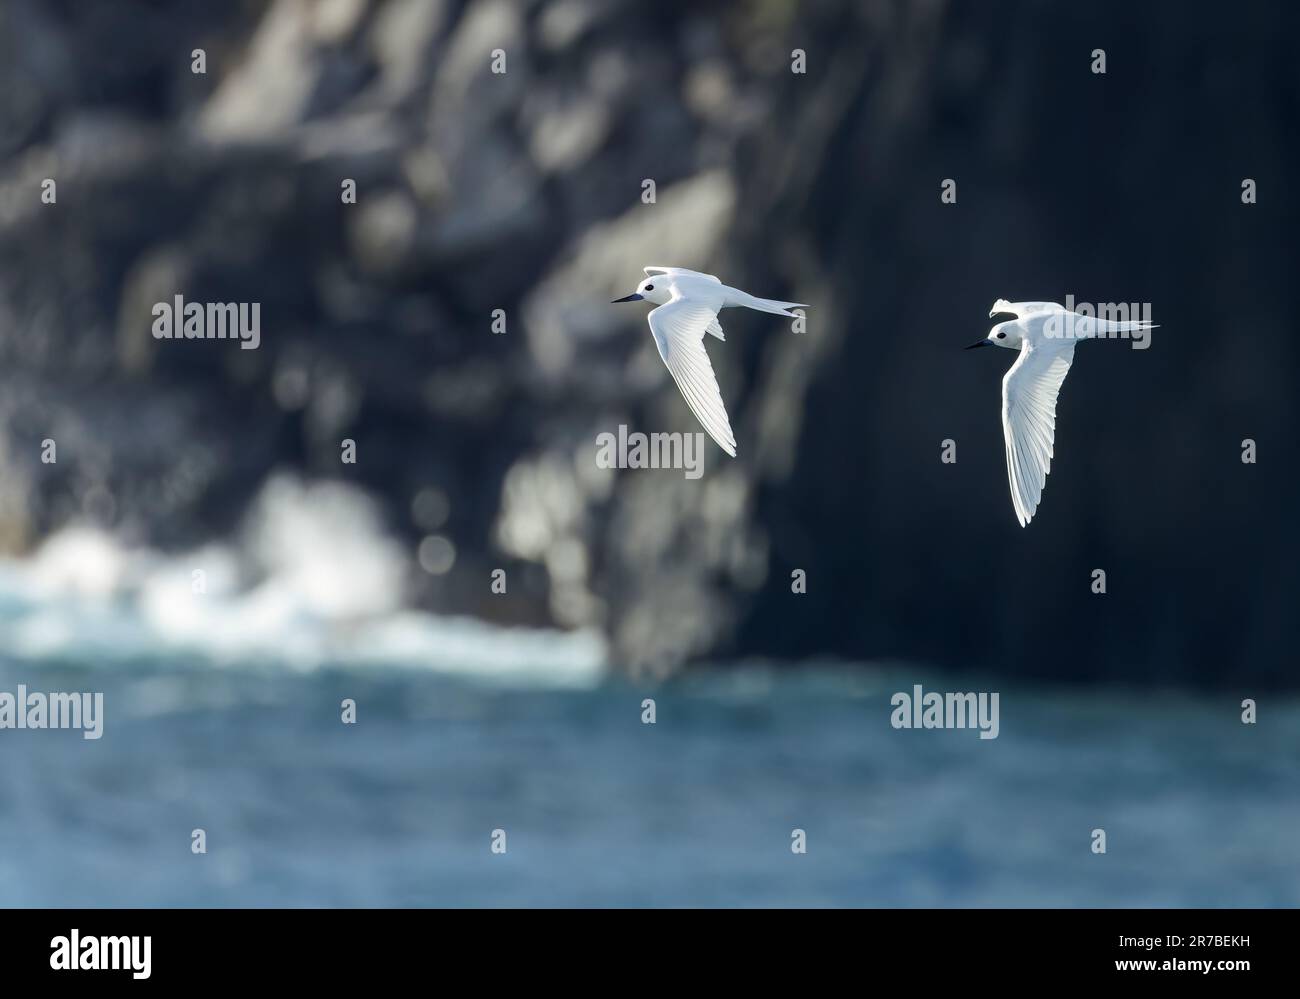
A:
1045, 334
688, 306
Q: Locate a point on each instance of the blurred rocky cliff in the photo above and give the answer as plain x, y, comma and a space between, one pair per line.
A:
522, 191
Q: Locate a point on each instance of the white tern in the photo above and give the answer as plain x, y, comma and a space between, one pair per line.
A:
689, 303
1045, 334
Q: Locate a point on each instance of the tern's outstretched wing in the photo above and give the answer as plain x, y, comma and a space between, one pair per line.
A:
1022, 309
679, 328
650, 271
1029, 392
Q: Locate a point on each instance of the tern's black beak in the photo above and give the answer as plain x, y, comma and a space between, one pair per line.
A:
634, 297
982, 343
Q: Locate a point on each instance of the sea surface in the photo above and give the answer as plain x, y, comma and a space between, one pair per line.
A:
601, 809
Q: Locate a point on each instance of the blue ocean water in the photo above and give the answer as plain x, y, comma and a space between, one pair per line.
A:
600, 809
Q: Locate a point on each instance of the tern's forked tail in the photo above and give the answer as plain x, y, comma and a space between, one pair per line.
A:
737, 297
1124, 325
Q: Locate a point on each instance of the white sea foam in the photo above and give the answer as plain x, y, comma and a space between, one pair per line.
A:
313, 581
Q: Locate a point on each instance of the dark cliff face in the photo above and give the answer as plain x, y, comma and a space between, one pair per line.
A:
522, 192
1123, 187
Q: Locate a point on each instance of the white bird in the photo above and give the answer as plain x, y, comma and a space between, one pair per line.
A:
689, 303
1045, 334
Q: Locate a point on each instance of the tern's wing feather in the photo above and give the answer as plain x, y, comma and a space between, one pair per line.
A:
679, 328
680, 270
1022, 309
1029, 393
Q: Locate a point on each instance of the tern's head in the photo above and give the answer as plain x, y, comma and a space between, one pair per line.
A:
1008, 334
652, 289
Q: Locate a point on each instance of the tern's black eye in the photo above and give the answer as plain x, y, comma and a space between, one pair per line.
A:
649, 287
1002, 336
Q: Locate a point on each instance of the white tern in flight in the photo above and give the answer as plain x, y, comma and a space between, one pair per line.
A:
689, 303
1045, 334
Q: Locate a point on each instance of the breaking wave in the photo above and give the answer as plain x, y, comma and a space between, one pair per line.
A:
313, 582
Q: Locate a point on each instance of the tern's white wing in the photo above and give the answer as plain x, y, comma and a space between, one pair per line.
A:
1021, 309
1029, 393
650, 271
679, 328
